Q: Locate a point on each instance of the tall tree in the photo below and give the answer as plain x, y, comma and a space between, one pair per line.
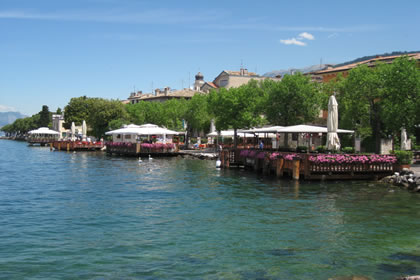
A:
293, 100
401, 95
196, 114
359, 102
44, 117
237, 107
77, 110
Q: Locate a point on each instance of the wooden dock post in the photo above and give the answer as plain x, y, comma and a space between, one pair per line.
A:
227, 158
59, 146
51, 146
296, 167
279, 167
68, 147
266, 164
138, 148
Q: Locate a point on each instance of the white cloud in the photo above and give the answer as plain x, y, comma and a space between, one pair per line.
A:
4, 108
293, 41
306, 35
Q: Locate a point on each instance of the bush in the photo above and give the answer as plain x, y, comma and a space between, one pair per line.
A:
301, 149
348, 150
204, 141
321, 149
404, 157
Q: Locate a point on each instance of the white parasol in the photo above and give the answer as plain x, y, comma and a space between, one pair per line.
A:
73, 131
84, 130
333, 142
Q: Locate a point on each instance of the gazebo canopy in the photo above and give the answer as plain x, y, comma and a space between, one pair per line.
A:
145, 129
302, 128
230, 133
270, 129
44, 130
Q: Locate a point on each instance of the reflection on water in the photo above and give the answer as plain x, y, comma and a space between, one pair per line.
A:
92, 216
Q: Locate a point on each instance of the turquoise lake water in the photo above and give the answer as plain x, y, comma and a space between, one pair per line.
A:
92, 216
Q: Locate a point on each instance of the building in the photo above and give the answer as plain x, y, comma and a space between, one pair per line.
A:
331, 72
58, 125
161, 95
228, 79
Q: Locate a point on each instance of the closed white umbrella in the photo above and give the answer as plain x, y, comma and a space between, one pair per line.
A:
84, 130
73, 131
404, 143
333, 142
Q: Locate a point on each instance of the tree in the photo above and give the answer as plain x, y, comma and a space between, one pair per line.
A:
44, 117
196, 114
59, 111
401, 95
76, 111
237, 107
359, 102
293, 100
102, 112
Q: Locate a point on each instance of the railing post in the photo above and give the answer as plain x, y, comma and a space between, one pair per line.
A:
279, 167
307, 172
296, 166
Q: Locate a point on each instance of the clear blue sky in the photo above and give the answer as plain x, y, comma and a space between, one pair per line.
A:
51, 51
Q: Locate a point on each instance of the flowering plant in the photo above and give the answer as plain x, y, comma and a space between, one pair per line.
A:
291, 156
244, 153
273, 156
261, 155
346, 158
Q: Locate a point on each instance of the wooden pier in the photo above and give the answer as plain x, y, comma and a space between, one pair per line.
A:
302, 166
142, 150
76, 146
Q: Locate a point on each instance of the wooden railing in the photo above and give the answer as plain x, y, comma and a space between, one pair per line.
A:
301, 165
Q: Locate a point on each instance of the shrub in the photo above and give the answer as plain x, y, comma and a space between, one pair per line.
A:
301, 149
348, 150
403, 157
321, 149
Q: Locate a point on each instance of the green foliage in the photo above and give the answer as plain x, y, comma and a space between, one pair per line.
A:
348, 150
196, 113
293, 100
403, 157
77, 110
321, 149
302, 149
401, 95
379, 101
44, 117
102, 112
99, 113
59, 111
21, 126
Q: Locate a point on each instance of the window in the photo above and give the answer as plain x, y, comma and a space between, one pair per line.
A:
223, 83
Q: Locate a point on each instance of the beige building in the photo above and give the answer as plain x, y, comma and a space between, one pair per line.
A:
161, 95
229, 79
226, 79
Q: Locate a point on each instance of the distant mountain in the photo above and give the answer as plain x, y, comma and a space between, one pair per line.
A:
308, 69
9, 117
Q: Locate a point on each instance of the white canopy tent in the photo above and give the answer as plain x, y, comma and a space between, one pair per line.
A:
43, 131
130, 132
230, 133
